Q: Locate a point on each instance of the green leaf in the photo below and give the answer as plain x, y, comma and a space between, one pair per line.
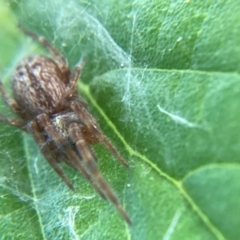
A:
163, 80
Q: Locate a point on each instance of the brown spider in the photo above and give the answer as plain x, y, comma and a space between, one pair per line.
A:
47, 101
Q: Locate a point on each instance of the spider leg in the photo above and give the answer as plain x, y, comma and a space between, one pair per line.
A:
73, 159
71, 88
47, 151
13, 122
90, 162
14, 107
86, 174
74, 77
93, 127
46, 44
8, 101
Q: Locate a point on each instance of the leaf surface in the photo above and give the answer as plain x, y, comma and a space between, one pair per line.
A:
162, 78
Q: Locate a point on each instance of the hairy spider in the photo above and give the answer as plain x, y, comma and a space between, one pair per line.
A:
47, 101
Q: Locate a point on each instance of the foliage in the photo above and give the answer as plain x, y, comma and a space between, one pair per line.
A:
163, 79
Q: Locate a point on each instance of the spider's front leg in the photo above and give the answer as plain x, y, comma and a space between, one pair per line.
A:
72, 159
95, 130
87, 164
89, 159
49, 151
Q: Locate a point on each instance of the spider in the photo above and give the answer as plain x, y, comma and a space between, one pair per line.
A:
48, 105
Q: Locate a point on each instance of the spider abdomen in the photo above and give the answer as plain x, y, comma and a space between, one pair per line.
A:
39, 85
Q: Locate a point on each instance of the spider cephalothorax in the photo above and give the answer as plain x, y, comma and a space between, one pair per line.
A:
49, 107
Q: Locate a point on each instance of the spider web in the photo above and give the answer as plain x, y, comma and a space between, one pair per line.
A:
171, 110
